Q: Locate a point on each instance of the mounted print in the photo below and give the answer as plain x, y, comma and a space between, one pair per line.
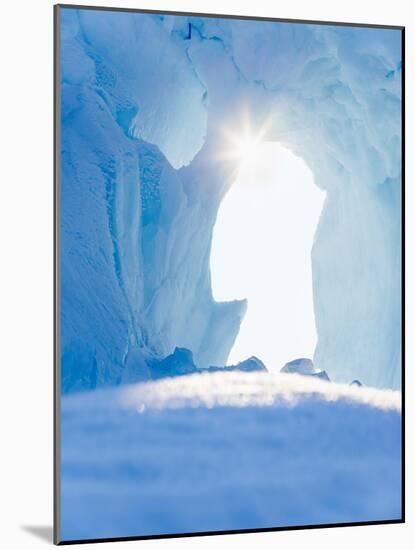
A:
228, 279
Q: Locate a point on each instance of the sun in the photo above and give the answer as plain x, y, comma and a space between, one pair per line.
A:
242, 144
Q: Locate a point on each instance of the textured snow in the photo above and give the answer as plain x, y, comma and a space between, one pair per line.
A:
228, 451
143, 112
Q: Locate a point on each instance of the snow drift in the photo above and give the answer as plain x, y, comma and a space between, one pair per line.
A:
227, 451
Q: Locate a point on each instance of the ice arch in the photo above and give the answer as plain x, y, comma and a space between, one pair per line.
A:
261, 251
143, 101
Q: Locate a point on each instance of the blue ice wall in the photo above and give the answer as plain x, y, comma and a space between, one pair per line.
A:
145, 99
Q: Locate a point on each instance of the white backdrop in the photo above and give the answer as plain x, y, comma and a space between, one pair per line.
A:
26, 272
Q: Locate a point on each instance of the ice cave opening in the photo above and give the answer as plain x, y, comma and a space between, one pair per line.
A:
261, 251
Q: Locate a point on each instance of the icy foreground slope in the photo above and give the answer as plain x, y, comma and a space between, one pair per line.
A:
228, 451
143, 112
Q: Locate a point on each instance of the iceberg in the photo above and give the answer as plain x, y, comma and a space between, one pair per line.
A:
304, 367
253, 364
142, 115
179, 363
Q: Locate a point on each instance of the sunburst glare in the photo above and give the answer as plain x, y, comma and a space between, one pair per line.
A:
243, 143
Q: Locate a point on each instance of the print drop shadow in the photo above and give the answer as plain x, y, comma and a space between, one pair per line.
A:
43, 532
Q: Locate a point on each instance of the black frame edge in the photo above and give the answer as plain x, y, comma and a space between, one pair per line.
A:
227, 16
56, 276
234, 532
403, 223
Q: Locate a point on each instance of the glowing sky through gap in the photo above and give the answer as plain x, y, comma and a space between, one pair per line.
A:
261, 250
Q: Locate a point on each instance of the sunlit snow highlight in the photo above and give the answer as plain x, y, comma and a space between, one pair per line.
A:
247, 390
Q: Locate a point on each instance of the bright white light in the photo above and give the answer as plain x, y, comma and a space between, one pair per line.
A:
261, 251
248, 150
245, 145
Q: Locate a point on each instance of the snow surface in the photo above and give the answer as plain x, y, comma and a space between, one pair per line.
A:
143, 114
228, 451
